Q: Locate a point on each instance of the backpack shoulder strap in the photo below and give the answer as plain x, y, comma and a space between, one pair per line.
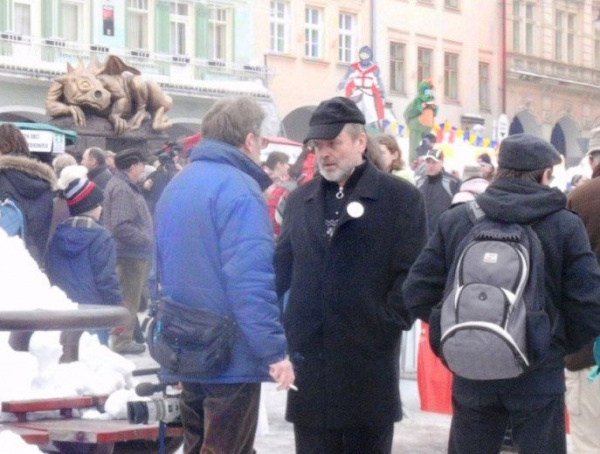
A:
474, 211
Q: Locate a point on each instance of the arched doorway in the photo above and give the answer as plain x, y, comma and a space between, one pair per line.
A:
524, 122
564, 138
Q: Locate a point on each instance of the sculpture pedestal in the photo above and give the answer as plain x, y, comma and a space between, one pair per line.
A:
99, 132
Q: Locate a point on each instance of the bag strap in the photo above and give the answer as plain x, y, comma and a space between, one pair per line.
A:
474, 211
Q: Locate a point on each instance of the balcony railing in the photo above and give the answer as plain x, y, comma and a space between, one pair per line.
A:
553, 72
26, 54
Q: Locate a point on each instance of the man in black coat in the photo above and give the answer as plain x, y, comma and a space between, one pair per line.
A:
349, 238
534, 401
94, 159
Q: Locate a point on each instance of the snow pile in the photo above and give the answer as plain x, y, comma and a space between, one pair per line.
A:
11, 442
36, 374
24, 286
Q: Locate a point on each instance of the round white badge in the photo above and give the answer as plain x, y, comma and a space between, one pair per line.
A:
355, 209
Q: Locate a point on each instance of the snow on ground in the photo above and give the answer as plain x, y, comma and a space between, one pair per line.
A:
37, 374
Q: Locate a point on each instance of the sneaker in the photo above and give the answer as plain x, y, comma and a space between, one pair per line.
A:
134, 348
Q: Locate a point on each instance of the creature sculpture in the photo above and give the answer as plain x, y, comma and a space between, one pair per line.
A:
419, 116
362, 84
113, 90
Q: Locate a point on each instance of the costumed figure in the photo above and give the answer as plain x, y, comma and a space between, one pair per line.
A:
113, 90
419, 116
363, 85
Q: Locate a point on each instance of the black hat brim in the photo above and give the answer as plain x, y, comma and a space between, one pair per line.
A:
324, 132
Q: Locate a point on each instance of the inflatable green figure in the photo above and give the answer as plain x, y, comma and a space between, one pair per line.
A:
419, 116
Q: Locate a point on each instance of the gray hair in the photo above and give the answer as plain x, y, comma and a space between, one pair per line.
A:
98, 154
231, 120
61, 161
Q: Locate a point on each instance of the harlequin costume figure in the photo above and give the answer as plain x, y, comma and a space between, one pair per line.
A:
419, 115
362, 83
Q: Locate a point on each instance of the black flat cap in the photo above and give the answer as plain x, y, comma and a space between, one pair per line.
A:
329, 118
527, 152
126, 158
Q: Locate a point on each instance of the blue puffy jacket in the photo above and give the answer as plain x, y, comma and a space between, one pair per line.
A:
214, 246
82, 260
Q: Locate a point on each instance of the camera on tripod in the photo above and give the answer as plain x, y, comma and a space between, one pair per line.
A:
165, 409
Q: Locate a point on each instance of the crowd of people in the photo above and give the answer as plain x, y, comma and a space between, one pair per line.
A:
321, 265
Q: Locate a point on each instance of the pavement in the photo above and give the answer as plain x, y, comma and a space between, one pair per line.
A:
418, 433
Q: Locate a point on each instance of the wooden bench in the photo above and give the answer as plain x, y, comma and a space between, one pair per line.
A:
82, 435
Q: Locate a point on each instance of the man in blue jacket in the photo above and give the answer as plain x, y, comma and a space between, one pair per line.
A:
215, 246
534, 401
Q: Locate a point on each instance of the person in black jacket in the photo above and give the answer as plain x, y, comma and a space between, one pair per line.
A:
94, 159
438, 187
348, 240
533, 402
30, 184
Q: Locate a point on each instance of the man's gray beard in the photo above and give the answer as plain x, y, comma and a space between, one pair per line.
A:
336, 175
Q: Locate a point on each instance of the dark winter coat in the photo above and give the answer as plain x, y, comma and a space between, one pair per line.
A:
82, 261
31, 185
437, 192
345, 310
572, 274
127, 218
100, 176
585, 200
214, 246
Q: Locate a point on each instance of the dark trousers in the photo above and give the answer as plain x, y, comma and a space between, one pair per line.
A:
219, 419
479, 422
358, 440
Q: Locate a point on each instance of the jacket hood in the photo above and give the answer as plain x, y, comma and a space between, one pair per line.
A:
520, 201
74, 241
217, 151
28, 176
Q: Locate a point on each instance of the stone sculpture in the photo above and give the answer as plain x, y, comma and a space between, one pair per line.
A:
113, 90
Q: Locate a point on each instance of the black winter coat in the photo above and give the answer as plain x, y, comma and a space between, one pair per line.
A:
31, 184
572, 274
345, 310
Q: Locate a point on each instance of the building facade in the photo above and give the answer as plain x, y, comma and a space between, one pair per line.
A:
451, 42
553, 71
198, 51
308, 46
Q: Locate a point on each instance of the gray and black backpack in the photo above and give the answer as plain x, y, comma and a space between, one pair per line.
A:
493, 323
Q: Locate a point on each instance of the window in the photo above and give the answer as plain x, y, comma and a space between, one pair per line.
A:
571, 38
397, 61
71, 20
22, 18
313, 32
178, 24
424, 63
218, 24
347, 38
280, 27
451, 76
564, 36
523, 27
137, 34
484, 85
453, 4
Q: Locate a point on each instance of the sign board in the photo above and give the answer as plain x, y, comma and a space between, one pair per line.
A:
502, 127
39, 141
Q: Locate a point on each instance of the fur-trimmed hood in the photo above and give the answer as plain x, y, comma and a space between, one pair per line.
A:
19, 169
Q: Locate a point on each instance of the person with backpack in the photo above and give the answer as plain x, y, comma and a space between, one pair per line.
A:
29, 185
518, 265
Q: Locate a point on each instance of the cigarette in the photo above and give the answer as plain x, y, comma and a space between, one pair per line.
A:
293, 388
